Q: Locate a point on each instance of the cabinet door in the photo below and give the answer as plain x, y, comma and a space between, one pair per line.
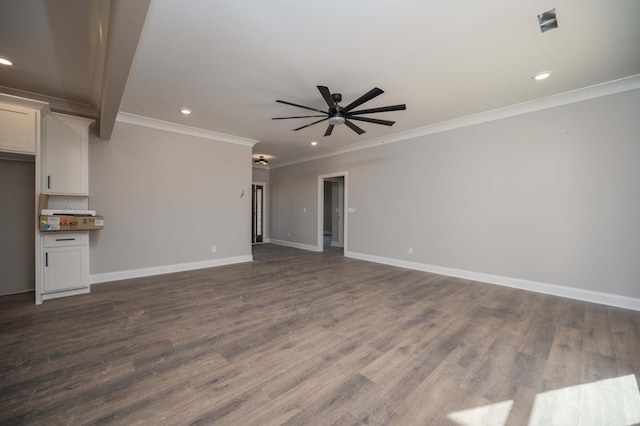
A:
66, 156
17, 129
65, 268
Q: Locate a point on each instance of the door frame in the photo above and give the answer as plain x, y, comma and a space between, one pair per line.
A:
265, 212
345, 216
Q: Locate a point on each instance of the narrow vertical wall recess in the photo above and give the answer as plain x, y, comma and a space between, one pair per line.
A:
257, 208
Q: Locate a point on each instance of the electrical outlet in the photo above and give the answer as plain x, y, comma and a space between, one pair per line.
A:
410, 250
288, 234
214, 249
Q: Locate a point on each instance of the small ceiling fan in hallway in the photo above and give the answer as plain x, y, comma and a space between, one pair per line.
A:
337, 114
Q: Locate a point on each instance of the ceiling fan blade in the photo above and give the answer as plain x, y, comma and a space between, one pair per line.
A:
310, 124
381, 109
299, 116
326, 94
301, 106
329, 130
373, 120
364, 98
353, 127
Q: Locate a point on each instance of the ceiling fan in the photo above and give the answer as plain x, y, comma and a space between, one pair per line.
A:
337, 115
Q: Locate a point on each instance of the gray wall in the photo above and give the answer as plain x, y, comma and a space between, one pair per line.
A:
260, 175
167, 198
17, 226
551, 196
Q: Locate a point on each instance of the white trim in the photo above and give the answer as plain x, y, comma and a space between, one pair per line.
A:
345, 202
578, 95
43, 107
336, 244
72, 118
538, 287
294, 245
166, 269
65, 293
125, 117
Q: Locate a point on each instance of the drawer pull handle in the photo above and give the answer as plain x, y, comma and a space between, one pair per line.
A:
49, 182
65, 239
46, 259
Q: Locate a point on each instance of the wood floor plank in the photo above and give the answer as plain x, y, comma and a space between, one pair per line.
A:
625, 329
310, 398
298, 337
597, 332
565, 359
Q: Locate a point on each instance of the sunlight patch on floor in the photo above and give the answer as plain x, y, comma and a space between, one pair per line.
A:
494, 414
612, 401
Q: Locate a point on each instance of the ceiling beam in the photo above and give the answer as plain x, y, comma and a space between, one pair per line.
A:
126, 20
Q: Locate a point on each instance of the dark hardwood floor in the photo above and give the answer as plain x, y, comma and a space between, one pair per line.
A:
304, 338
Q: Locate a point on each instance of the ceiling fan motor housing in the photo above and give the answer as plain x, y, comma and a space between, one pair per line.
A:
336, 114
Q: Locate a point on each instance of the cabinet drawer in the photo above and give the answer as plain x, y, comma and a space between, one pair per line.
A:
63, 239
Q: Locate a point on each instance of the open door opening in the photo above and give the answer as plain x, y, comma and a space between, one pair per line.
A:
258, 213
331, 209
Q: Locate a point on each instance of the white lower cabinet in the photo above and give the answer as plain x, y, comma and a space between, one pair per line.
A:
65, 257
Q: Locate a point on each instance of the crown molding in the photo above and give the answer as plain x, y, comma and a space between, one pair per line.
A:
72, 118
11, 98
591, 92
125, 117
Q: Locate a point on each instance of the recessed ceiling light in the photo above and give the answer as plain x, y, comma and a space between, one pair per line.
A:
185, 111
5, 61
542, 75
314, 143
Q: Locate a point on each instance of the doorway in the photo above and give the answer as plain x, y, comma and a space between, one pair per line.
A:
332, 222
258, 212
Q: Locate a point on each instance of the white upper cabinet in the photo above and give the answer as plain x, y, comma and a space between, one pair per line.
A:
18, 129
66, 155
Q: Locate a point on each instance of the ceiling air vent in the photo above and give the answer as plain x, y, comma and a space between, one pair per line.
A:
548, 20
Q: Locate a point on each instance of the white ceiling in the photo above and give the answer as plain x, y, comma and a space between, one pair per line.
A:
230, 60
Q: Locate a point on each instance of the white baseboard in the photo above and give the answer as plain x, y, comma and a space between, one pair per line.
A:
538, 287
166, 269
295, 245
66, 293
336, 244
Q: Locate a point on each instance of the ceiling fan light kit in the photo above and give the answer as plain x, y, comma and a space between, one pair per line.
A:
337, 115
261, 161
336, 119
